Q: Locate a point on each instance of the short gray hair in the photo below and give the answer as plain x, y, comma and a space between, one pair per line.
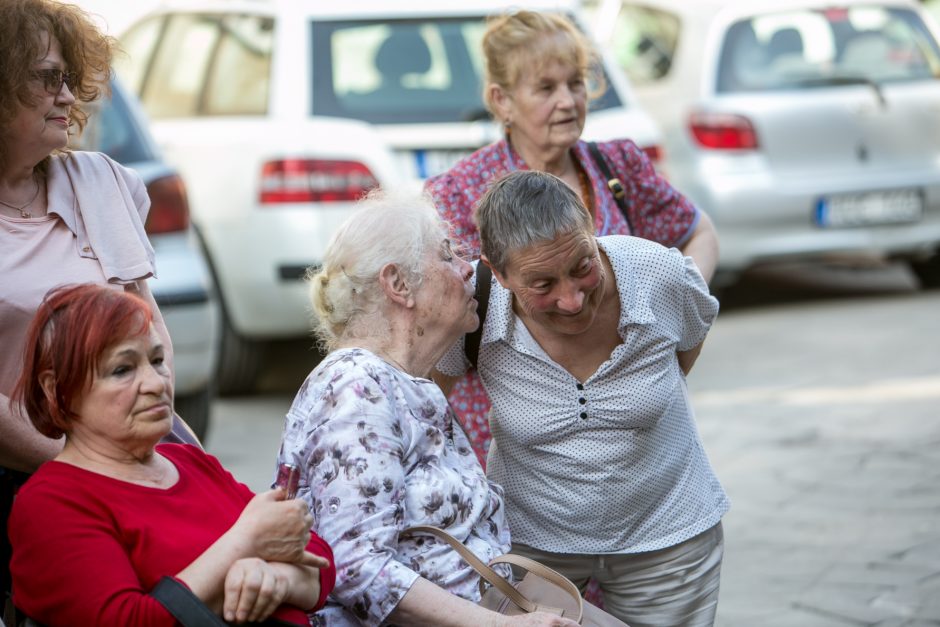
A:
527, 207
395, 227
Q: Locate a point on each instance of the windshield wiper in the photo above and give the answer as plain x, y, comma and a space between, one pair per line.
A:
847, 80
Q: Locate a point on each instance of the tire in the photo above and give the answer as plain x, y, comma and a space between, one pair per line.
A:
194, 410
928, 271
239, 362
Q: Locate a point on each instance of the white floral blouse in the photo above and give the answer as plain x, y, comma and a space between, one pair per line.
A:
380, 451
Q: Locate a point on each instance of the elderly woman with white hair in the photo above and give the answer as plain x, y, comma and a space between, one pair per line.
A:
376, 442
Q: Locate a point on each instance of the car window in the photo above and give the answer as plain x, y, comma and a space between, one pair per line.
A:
240, 72
825, 47
644, 42
111, 129
209, 65
402, 71
136, 49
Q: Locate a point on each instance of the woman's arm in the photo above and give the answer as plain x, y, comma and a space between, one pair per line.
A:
427, 604
702, 246
697, 309
687, 358
254, 589
21, 446
269, 528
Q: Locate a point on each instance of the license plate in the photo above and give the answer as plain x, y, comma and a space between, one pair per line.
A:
888, 207
426, 163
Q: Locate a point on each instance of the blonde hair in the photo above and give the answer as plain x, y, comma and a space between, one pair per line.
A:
523, 40
395, 227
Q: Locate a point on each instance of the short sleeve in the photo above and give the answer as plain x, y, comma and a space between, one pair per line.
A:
699, 307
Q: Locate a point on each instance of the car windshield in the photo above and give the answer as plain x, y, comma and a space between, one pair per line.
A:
399, 72
832, 46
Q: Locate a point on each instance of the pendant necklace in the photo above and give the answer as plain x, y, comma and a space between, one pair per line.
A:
22, 208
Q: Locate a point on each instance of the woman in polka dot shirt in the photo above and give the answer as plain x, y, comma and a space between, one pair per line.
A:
584, 352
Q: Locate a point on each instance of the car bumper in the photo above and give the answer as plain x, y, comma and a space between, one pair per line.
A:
760, 217
260, 261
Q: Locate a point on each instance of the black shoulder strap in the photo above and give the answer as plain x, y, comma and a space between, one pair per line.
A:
482, 294
185, 606
614, 184
190, 611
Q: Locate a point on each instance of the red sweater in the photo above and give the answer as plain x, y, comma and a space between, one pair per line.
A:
88, 548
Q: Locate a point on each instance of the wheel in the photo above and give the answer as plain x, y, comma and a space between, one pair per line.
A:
928, 271
194, 409
239, 362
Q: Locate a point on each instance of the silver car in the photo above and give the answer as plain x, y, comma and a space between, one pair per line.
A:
806, 128
184, 289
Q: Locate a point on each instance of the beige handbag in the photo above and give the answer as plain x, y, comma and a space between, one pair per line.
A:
541, 590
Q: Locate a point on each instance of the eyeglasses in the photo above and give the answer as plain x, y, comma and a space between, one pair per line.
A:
53, 78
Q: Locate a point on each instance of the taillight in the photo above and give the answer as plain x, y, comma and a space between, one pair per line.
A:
653, 153
723, 131
314, 180
169, 208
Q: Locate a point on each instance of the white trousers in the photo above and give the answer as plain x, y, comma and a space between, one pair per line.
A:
672, 587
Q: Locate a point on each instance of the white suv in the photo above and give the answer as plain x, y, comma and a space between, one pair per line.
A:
281, 114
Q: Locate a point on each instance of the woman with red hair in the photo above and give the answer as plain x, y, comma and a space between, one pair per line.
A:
117, 503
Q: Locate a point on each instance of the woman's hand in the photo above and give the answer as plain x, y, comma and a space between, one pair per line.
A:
276, 530
253, 590
538, 619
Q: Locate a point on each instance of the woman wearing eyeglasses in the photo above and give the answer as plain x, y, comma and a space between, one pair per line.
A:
65, 217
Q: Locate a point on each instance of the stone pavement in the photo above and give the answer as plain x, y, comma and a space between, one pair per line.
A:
822, 420
830, 453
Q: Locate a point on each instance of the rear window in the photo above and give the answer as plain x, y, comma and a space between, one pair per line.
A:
836, 45
188, 65
403, 71
644, 41
113, 130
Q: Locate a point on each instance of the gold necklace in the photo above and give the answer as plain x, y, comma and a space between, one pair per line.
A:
22, 208
586, 194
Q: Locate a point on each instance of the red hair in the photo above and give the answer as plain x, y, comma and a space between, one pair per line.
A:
69, 334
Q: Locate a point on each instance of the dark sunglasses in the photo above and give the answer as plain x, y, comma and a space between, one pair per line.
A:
52, 79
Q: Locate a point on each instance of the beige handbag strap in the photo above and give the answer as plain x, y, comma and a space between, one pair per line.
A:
478, 565
495, 580
543, 571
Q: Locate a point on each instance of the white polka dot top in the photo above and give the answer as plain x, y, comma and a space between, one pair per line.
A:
613, 464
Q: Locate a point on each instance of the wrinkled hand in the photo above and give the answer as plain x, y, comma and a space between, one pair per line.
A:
276, 530
253, 590
539, 619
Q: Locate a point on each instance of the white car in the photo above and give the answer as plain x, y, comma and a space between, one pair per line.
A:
281, 114
805, 128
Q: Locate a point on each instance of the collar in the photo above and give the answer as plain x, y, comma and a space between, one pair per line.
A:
62, 201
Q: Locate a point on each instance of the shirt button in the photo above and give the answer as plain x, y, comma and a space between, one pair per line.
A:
86, 249
584, 415
582, 400
580, 386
